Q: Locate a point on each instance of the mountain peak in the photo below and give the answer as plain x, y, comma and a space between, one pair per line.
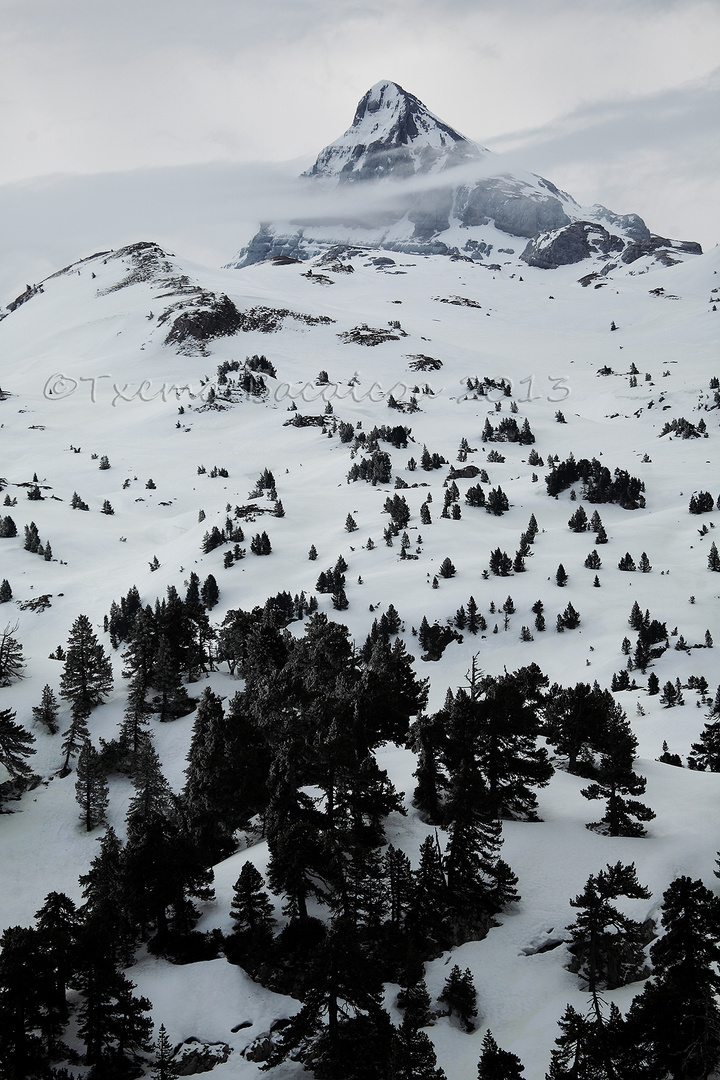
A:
392, 134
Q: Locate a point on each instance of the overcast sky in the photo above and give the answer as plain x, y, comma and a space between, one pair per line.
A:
615, 101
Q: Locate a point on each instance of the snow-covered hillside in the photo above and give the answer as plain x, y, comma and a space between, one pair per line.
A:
88, 372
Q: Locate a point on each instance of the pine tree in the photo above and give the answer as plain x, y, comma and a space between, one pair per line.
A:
24, 987
705, 754
16, 744
73, 740
164, 1068
460, 997
447, 569
497, 1064
6, 592
87, 675
714, 558
674, 1025
615, 780
350, 524
210, 592
561, 576
113, 1023
91, 789
47, 711
412, 1055
58, 926
251, 912
588, 1047
11, 656
105, 890
607, 946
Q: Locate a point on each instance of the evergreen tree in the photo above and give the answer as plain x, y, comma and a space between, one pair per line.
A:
497, 1064
412, 1055
447, 569
91, 789
47, 711
209, 787
252, 914
615, 780
607, 946
342, 1031
705, 754
5, 591
561, 576
172, 700
24, 985
428, 916
58, 927
164, 1068
460, 997
210, 592
113, 1023
105, 893
674, 1025
714, 558
588, 1047
16, 744
87, 675
11, 656
74, 739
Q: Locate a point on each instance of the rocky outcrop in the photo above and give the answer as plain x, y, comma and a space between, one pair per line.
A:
194, 1056
513, 207
571, 244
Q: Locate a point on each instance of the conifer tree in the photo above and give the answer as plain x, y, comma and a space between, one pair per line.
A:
252, 914
705, 754
210, 593
47, 711
714, 558
164, 1067
5, 591
74, 739
497, 1064
16, 744
58, 926
412, 1055
460, 997
24, 986
588, 1047
674, 1025
87, 675
607, 946
105, 891
91, 789
208, 785
11, 656
615, 780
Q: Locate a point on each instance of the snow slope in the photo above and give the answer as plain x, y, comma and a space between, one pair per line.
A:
85, 365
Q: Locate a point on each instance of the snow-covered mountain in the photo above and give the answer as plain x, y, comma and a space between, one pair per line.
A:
142, 399
395, 139
393, 135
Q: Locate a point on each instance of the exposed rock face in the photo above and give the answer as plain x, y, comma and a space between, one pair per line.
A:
582, 239
573, 243
194, 1056
513, 206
